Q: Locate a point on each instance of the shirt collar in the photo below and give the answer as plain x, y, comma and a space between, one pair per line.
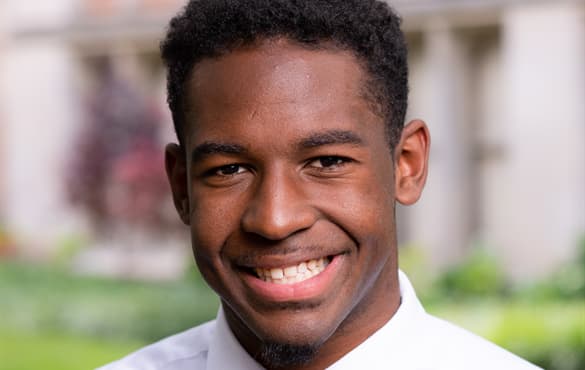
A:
392, 342
225, 352
389, 342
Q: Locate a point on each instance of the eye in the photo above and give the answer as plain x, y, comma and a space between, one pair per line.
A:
228, 170
328, 162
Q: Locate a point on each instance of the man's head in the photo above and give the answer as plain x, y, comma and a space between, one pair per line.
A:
284, 174
367, 29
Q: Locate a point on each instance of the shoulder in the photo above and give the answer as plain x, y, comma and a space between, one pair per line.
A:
457, 348
186, 350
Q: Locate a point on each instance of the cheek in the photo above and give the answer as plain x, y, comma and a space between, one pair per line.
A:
366, 208
373, 229
213, 219
211, 226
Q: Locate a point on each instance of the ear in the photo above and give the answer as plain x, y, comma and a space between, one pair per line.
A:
176, 167
411, 159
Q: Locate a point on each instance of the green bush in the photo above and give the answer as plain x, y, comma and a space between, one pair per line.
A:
478, 276
552, 336
549, 334
36, 298
568, 283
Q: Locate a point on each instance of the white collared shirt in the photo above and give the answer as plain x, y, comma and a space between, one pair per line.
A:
410, 340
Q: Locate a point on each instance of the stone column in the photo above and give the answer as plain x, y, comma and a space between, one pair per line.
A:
440, 221
542, 201
39, 115
3, 34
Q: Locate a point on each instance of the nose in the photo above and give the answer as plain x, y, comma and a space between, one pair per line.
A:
278, 208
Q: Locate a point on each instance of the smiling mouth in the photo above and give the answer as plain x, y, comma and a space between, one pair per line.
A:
294, 273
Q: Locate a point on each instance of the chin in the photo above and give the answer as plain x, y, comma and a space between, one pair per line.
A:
277, 355
296, 326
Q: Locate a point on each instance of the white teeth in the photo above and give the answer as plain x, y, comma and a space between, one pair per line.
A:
302, 268
312, 265
277, 273
293, 274
290, 271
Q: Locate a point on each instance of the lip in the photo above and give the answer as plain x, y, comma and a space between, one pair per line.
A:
304, 290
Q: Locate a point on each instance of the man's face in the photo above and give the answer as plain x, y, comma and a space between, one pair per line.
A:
291, 190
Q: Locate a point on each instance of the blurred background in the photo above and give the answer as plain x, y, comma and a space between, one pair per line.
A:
94, 262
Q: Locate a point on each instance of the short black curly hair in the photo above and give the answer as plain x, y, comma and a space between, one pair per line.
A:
369, 29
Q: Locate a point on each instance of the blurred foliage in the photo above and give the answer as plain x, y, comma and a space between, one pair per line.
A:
7, 246
37, 298
479, 275
117, 172
549, 334
567, 283
53, 351
414, 261
543, 322
67, 247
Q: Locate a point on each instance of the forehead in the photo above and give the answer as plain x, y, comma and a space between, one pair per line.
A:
276, 80
272, 56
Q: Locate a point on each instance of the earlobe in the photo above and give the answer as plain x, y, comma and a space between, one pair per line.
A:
411, 162
176, 168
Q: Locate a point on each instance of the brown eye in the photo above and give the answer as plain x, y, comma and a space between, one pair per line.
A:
229, 170
328, 162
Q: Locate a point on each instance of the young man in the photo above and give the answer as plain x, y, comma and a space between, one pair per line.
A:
292, 153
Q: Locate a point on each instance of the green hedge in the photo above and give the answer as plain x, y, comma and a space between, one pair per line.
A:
549, 334
37, 298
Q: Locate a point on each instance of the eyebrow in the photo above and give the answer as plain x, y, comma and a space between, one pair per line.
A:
331, 137
208, 148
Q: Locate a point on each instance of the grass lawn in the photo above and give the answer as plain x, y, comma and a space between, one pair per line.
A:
34, 351
51, 319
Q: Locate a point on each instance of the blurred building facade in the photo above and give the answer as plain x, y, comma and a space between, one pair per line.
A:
500, 83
